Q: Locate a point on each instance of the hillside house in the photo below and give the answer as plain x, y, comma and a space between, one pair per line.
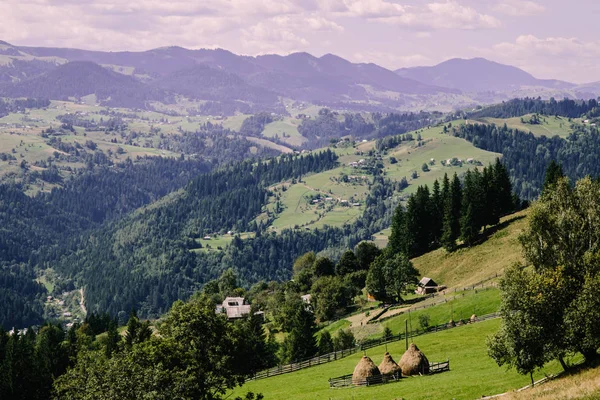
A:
234, 307
427, 286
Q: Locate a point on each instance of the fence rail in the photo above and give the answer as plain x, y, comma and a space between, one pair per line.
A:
347, 380
336, 355
311, 362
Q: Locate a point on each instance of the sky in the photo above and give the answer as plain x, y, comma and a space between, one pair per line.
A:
550, 39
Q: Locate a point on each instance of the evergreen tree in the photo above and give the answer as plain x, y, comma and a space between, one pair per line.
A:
504, 189
451, 224
400, 239
301, 342
468, 226
554, 172
325, 343
437, 213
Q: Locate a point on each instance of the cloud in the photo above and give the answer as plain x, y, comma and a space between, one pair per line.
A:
566, 57
519, 8
444, 15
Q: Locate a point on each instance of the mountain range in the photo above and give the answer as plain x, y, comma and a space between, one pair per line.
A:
133, 79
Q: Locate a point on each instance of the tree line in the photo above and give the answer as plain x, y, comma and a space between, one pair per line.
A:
195, 354
453, 210
526, 156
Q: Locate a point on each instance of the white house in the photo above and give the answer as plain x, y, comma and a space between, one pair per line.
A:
234, 307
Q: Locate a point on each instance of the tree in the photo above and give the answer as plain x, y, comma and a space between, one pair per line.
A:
549, 311
554, 172
451, 225
390, 276
400, 239
348, 263
304, 262
366, 253
468, 227
325, 343
387, 333
344, 340
329, 295
301, 342
323, 266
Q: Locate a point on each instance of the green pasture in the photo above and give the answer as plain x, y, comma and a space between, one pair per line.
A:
472, 373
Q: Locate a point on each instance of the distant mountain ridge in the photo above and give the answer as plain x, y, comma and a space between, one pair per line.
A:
227, 82
478, 75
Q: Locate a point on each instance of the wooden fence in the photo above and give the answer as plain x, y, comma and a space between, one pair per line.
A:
346, 380
311, 362
336, 355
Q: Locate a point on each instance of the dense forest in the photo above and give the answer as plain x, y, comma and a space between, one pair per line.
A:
145, 260
527, 156
517, 107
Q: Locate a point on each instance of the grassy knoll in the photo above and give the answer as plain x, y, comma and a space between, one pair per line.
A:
583, 384
548, 126
458, 307
286, 130
467, 266
435, 145
472, 375
335, 327
216, 243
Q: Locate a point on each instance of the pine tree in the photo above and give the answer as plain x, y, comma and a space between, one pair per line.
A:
504, 190
451, 224
325, 343
437, 213
400, 239
553, 173
468, 226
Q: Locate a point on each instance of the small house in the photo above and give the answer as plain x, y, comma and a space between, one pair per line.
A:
234, 307
427, 286
306, 298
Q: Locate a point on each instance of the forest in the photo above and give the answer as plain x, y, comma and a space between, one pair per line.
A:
526, 156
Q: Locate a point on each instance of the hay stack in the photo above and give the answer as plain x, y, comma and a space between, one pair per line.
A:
388, 366
473, 318
365, 369
414, 362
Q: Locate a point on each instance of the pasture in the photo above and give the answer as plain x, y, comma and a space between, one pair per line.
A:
472, 373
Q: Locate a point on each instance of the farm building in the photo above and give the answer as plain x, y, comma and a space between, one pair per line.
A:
234, 307
428, 285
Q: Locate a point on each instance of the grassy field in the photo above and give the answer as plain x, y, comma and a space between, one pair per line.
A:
286, 130
467, 266
20, 135
473, 374
437, 146
458, 307
549, 126
582, 384
218, 242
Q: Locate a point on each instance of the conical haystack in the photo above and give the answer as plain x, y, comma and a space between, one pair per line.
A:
365, 369
388, 366
414, 362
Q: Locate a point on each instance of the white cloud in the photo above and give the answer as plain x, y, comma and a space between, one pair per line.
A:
519, 8
446, 15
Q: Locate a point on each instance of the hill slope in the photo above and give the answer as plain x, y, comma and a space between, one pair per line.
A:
82, 78
478, 75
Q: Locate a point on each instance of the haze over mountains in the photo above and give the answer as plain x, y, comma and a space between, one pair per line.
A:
243, 83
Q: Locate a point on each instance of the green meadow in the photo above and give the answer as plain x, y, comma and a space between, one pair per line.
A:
472, 373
